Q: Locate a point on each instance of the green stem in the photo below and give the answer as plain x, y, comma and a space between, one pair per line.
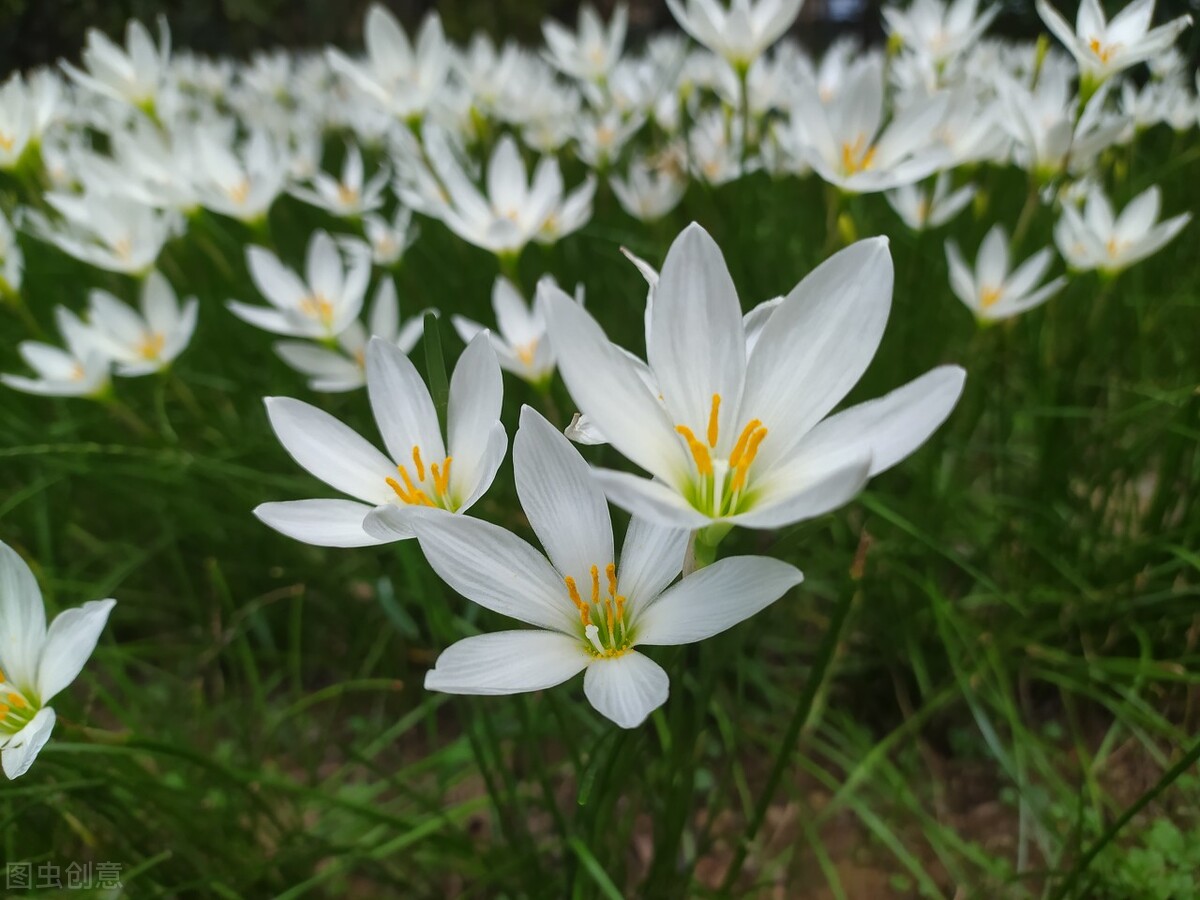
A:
804, 708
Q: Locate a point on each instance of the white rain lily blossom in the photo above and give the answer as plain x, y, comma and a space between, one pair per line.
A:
649, 192
107, 232
348, 196
323, 303
134, 74
389, 240
241, 183
421, 467
333, 370
81, 370
1099, 239
739, 32
1102, 48
920, 208
148, 342
521, 344
592, 611
995, 290
937, 30
36, 662
738, 437
590, 53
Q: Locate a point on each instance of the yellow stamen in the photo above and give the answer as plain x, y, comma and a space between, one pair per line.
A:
699, 451
441, 479
747, 459
989, 297
239, 192
317, 307
525, 352
17, 700
712, 420
417, 462
7, 142
400, 492
573, 592
611, 571
3, 712
857, 156
347, 195
739, 448
151, 346
1104, 52
595, 585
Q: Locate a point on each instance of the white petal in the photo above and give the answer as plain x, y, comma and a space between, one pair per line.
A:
564, 504
650, 499
697, 345
651, 557
331, 451
715, 598
22, 619
487, 467
494, 568
70, 640
892, 426
401, 404
821, 339
507, 662
24, 746
476, 394
322, 523
807, 488
626, 688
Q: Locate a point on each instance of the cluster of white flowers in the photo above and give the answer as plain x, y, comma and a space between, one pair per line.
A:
729, 418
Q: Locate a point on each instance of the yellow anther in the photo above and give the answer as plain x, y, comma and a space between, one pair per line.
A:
17, 700
317, 307
611, 571
395, 486
739, 448
989, 297
857, 156
416, 454
441, 478
239, 192
347, 195
151, 345
525, 352
1105, 53
573, 591
699, 450
595, 584
7, 142
608, 615
747, 459
712, 420
3, 712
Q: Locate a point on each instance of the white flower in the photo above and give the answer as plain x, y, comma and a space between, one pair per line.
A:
599, 139
995, 290
521, 346
1103, 48
107, 232
592, 52
649, 192
240, 183
132, 75
937, 30
428, 472
591, 610
848, 144
739, 32
145, 343
79, 371
920, 210
401, 79
323, 303
389, 240
36, 662
12, 259
16, 121
741, 437
1098, 239
347, 196
344, 369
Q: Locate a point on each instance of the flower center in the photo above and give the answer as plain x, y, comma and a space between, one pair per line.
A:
989, 296
1114, 247
6, 142
318, 307
526, 351
418, 492
16, 710
722, 481
348, 196
1104, 52
151, 345
239, 192
857, 156
603, 616
123, 248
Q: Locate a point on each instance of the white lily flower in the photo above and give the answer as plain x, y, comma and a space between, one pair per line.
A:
592, 611
342, 369
81, 370
36, 662
592, 52
110, 233
599, 139
241, 183
12, 259
147, 342
937, 30
133, 75
920, 209
1098, 239
404, 80
521, 345
648, 192
389, 240
741, 437
848, 144
431, 471
1103, 48
17, 123
348, 196
995, 290
323, 303
739, 32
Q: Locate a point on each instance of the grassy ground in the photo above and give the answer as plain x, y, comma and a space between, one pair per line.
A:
1018, 666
